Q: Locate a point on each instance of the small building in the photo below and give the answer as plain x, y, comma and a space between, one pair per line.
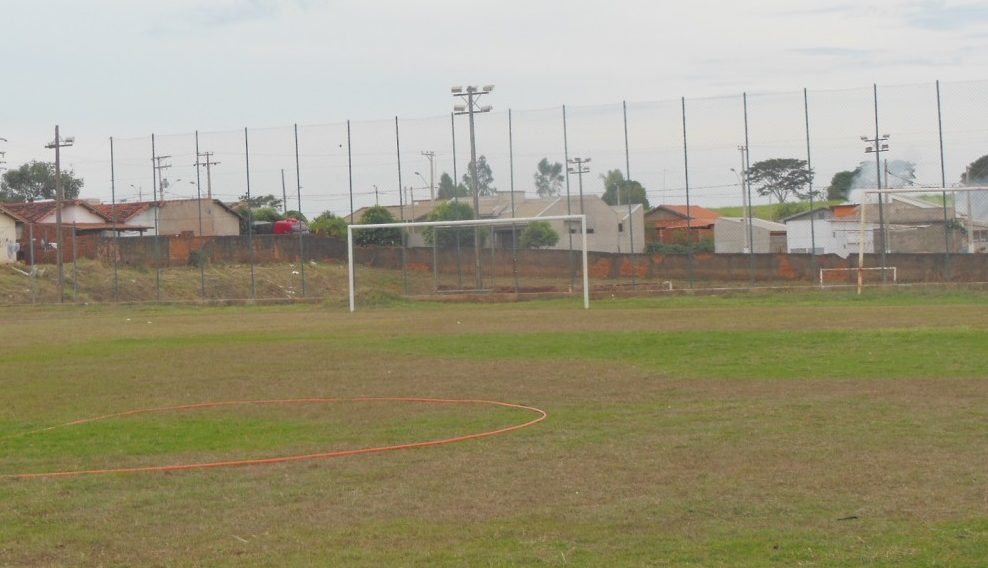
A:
829, 230
731, 236
670, 224
176, 216
10, 227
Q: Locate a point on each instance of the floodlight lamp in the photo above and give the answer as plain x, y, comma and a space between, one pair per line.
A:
885, 135
488, 88
587, 160
460, 108
885, 146
472, 89
456, 90
69, 140
487, 108
864, 138
869, 150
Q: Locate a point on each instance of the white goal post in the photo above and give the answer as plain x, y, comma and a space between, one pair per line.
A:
467, 223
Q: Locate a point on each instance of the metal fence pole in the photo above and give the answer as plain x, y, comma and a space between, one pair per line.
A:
686, 171
113, 220
809, 170
75, 264
202, 237
511, 172
943, 184
157, 210
250, 219
747, 169
401, 209
878, 178
298, 191
631, 220
569, 206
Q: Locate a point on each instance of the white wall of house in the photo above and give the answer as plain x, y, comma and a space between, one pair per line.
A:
832, 236
731, 234
73, 213
8, 239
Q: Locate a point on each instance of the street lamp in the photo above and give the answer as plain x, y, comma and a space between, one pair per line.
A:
57, 144
470, 95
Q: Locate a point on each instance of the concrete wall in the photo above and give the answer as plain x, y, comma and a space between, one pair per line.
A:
8, 239
730, 236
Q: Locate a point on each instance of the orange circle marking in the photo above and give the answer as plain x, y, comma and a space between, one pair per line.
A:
542, 415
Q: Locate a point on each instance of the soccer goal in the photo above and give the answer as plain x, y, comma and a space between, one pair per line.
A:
521, 256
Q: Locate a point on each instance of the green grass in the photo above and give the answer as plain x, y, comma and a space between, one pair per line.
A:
770, 212
813, 428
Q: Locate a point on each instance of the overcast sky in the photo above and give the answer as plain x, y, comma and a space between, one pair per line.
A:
127, 68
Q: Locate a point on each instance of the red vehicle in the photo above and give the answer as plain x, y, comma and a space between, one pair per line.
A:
290, 226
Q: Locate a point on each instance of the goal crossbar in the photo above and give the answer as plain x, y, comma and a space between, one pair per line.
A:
469, 223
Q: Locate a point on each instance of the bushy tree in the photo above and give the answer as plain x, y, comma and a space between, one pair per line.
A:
35, 181
538, 234
329, 225
379, 237
977, 172
448, 189
841, 184
485, 177
781, 177
266, 214
548, 178
296, 215
450, 236
618, 191
258, 201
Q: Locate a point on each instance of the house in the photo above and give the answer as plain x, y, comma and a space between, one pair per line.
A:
176, 216
609, 228
731, 236
82, 216
10, 226
669, 224
828, 230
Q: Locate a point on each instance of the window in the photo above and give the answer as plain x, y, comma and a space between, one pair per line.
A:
620, 227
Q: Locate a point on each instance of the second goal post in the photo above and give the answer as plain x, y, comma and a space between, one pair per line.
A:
443, 247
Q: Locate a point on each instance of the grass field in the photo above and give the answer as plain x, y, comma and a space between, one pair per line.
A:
777, 429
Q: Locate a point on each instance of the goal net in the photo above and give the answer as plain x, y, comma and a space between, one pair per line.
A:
469, 259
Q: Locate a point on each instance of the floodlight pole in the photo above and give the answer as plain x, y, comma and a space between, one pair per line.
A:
57, 144
470, 96
579, 168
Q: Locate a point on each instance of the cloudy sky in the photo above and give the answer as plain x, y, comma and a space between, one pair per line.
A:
126, 68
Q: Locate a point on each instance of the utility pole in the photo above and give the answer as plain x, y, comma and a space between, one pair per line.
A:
57, 144
876, 146
579, 168
284, 195
431, 156
470, 95
159, 166
209, 178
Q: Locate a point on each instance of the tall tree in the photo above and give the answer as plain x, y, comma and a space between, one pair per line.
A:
977, 172
485, 177
36, 180
841, 184
781, 177
448, 189
618, 190
548, 178
380, 237
450, 236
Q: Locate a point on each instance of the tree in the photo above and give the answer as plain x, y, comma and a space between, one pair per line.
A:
450, 236
618, 191
329, 225
36, 180
781, 177
296, 215
485, 177
448, 190
260, 201
538, 234
841, 184
265, 214
548, 178
379, 237
977, 172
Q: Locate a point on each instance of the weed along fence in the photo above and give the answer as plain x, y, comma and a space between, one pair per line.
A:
185, 268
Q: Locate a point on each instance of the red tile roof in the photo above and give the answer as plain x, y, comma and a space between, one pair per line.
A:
34, 211
123, 211
12, 214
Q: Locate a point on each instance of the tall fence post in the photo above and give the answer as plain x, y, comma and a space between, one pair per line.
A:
689, 226
747, 179
250, 220
157, 213
631, 220
514, 231
298, 191
881, 197
113, 221
401, 209
569, 205
34, 270
809, 170
75, 263
943, 184
201, 256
